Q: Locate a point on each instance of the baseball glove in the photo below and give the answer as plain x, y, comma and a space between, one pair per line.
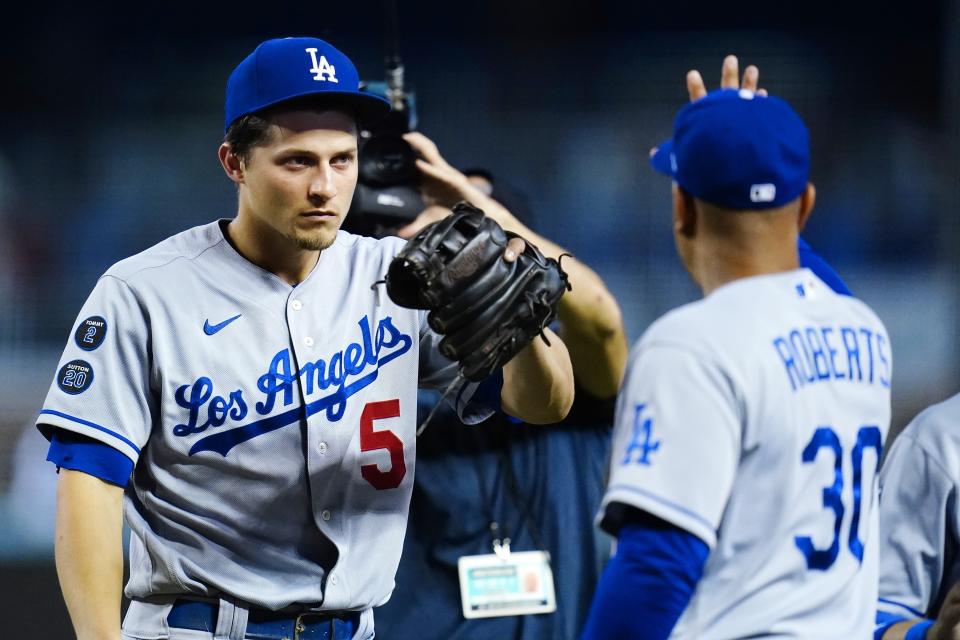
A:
486, 308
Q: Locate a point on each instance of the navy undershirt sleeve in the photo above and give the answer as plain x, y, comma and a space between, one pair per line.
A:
810, 259
654, 573
488, 392
73, 451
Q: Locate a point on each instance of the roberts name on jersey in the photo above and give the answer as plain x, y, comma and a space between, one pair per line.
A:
812, 354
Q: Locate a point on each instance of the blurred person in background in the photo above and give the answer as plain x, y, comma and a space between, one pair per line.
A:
494, 489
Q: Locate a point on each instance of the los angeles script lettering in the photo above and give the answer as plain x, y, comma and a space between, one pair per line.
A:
277, 383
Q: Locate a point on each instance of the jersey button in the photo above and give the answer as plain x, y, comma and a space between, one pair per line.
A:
296, 305
322, 447
333, 580
325, 514
308, 341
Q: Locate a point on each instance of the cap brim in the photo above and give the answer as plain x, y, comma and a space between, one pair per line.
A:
662, 159
367, 107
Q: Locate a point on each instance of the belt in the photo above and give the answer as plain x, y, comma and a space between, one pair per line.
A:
263, 624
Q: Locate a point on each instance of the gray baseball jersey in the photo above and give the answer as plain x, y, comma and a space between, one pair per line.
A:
272, 427
919, 516
754, 419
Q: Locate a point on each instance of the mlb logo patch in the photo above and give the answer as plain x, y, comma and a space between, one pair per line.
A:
763, 192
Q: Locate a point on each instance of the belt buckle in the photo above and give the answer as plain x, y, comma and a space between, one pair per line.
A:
300, 625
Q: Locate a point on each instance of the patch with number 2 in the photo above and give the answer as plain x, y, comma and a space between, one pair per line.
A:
89, 335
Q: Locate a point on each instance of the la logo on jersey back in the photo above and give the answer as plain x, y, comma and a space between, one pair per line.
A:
321, 70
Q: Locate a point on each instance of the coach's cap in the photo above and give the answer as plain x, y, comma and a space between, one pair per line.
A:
738, 150
286, 68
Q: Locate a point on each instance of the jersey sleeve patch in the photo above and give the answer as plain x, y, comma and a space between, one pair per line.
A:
75, 377
111, 339
90, 333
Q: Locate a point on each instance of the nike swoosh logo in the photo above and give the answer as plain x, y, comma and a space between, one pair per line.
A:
211, 329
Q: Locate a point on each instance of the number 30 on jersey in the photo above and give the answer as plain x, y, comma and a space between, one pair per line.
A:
868, 437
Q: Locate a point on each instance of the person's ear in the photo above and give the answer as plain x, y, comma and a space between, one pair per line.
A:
807, 200
232, 164
684, 212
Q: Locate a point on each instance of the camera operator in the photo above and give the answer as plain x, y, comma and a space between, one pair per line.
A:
491, 488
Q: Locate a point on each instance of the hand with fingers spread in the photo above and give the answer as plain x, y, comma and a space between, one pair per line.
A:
728, 79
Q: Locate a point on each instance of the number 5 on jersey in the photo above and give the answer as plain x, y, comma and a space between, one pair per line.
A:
371, 440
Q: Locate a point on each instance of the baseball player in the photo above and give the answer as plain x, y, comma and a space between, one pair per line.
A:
254, 395
920, 529
749, 425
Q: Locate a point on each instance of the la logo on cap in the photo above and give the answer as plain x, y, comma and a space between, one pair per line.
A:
322, 70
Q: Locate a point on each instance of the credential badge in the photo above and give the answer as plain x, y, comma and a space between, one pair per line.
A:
322, 70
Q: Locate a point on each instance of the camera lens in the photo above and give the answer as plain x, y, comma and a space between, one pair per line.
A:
387, 159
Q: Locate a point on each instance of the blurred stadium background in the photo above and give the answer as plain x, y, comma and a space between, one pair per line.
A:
111, 118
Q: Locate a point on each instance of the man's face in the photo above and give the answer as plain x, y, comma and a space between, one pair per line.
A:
301, 181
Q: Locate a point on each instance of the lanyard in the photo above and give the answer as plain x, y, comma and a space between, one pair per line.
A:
498, 527
499, 531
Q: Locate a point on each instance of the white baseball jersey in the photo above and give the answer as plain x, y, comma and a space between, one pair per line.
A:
754, 419
272, 426
919, 515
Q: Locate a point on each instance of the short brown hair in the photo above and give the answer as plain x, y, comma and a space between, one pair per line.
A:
254, 129
247, 132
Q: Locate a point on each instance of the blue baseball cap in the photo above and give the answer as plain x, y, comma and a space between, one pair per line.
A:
738, 150
286, 68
